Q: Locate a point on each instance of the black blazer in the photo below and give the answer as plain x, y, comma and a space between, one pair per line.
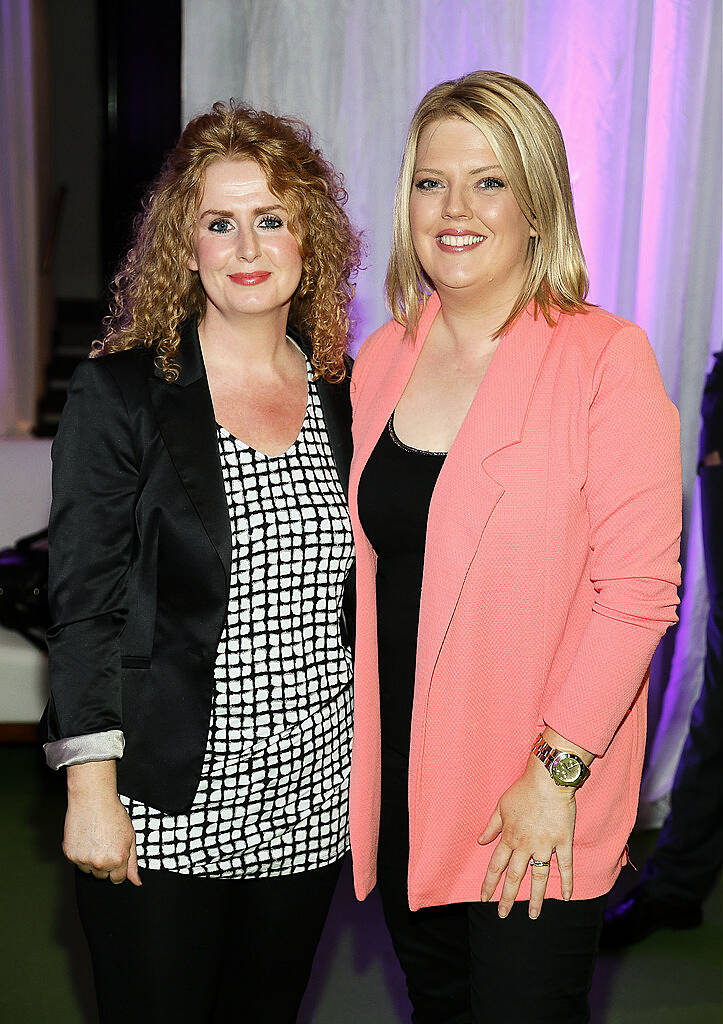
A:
140, 560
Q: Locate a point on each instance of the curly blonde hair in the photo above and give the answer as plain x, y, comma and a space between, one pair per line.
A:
154, 291
527, 141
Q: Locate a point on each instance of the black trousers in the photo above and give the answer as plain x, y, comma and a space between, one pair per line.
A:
689, 850
195, 950
463, 964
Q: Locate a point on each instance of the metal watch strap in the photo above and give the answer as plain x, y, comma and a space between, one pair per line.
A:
544, 751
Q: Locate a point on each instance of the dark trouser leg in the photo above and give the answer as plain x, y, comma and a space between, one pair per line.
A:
277, 923
195, 950
432, 945
157, 950
539, 971
689, 851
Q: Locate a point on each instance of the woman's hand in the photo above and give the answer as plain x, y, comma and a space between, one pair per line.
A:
535, 818
99, 836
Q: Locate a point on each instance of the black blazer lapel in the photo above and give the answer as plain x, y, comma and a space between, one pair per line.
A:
336, 407
186, 420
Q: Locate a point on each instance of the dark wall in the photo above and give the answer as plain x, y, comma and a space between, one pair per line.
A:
141, 45
76, 130
115, 110
114, 83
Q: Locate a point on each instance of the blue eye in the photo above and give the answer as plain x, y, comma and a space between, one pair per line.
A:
270, 222
220, 226
427, 184
491, 183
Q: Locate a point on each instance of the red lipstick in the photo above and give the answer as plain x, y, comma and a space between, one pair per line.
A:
257, 277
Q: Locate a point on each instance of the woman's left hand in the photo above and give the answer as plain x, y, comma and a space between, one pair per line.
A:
534, 818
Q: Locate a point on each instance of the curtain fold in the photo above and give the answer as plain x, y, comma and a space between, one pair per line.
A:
19, 314
636, 87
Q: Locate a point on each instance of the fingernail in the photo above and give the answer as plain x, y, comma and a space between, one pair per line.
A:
503, 911
479, 840
566, 895
484, 897
534, 912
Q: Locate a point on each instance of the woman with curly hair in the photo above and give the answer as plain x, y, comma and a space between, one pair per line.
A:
201, 553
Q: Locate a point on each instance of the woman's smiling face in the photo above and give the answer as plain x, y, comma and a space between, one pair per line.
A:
247, 258
467, 229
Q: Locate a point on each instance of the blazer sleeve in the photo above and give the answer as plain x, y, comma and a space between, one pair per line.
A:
91, 531
633, 495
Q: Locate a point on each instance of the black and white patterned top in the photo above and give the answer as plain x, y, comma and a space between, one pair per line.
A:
273, 795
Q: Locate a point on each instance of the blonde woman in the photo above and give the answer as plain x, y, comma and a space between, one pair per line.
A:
515, 495
200, 549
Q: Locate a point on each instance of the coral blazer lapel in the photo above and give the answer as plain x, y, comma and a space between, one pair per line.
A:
467, 492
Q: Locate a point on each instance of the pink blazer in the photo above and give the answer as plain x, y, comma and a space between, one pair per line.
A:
550, 575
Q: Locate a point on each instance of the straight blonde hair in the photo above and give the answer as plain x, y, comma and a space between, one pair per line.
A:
527, 141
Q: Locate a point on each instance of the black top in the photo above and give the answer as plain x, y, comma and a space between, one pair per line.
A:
395, 490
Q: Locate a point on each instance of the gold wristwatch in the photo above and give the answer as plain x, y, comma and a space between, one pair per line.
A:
566, 768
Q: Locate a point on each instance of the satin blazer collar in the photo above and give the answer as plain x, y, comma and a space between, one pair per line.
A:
186, 419
188, 357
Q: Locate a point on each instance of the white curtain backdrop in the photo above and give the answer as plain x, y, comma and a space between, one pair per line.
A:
636, 87
19, 316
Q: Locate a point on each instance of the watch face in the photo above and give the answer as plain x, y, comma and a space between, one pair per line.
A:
565, 769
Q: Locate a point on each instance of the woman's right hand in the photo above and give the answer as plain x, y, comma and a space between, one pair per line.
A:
99, 836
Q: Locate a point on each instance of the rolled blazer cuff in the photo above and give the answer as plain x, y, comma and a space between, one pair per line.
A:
97, 746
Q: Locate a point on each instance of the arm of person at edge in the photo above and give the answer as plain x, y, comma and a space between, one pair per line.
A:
633, 432
534, 818
94, 475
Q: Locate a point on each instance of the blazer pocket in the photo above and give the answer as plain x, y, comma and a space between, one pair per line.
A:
128, 661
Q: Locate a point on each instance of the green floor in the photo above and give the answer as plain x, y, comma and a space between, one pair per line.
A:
671, 978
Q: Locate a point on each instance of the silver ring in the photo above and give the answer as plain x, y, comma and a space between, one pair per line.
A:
539, 863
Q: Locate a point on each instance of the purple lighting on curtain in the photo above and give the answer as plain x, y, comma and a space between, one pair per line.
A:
674, 97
